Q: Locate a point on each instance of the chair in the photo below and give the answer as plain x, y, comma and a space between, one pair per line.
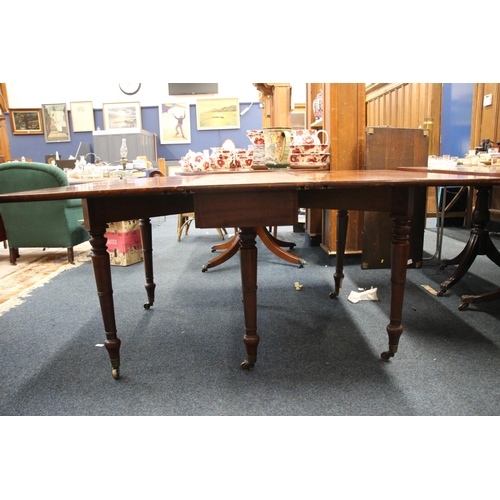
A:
45, 224
184, 221
3, 234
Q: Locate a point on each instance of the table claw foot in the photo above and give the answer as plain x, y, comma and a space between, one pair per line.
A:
441, 292
463, 306
116, 373
247, 365
205, 268
302, 263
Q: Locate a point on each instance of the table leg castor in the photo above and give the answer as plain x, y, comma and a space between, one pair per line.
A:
246, 365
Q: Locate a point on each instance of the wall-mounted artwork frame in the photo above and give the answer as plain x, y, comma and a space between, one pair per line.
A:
55, 123
26, 121
121, 115
175, 123
82, 116
216, 114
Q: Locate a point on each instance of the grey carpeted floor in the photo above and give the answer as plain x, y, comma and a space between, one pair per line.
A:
317, 356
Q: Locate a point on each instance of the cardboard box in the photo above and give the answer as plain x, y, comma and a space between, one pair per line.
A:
123, 226
124, 248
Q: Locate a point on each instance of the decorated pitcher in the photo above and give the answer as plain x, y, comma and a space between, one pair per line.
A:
277, 147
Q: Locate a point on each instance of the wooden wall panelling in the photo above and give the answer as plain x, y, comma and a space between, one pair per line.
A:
4, 135
4, 140
486, 125
4, 100
408, 105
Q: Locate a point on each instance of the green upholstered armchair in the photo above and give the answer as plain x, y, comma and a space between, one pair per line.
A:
45, 224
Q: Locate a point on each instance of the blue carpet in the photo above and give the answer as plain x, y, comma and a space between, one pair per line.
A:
317, 356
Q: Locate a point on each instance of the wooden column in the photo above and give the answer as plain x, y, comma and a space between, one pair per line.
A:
344, 120
4, 136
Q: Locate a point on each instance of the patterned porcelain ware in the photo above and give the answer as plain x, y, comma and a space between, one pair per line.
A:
309, 137
256, 136
277, 147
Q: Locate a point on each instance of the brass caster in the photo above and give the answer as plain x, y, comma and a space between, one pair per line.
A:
441, 292
246, 365
334, 295
442, 266
386, 355
116, 373
205, 268
301, 263
147, 305
463, 306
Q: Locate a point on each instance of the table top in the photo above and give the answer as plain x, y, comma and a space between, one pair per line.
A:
256, 180
484, 171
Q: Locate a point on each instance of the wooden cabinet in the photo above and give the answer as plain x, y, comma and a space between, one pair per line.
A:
388, 148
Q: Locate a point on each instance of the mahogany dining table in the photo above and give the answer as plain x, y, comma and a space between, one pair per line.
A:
480, 242
248, 200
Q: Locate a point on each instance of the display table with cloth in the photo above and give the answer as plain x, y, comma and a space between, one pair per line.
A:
248, 201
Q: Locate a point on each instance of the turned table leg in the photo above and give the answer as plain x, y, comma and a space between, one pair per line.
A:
342, 223
248, 259
102, 273
147, 250
400, 250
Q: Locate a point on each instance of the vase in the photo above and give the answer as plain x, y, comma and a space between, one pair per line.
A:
318, 106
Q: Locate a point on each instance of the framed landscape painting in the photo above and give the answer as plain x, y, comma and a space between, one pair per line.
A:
26, 121
119, 115
213, 114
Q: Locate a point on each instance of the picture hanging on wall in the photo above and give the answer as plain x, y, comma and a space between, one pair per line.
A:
175, 123
120, 115
26, 121
55, 123
82, 116
212, 114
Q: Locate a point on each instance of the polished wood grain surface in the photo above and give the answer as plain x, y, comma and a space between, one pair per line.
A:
474, 170
247, 201
270, 179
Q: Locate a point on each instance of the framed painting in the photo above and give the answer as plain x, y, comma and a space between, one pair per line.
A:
55, 123
82, 116
214, 114
120, 115
26, 121
175, 123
